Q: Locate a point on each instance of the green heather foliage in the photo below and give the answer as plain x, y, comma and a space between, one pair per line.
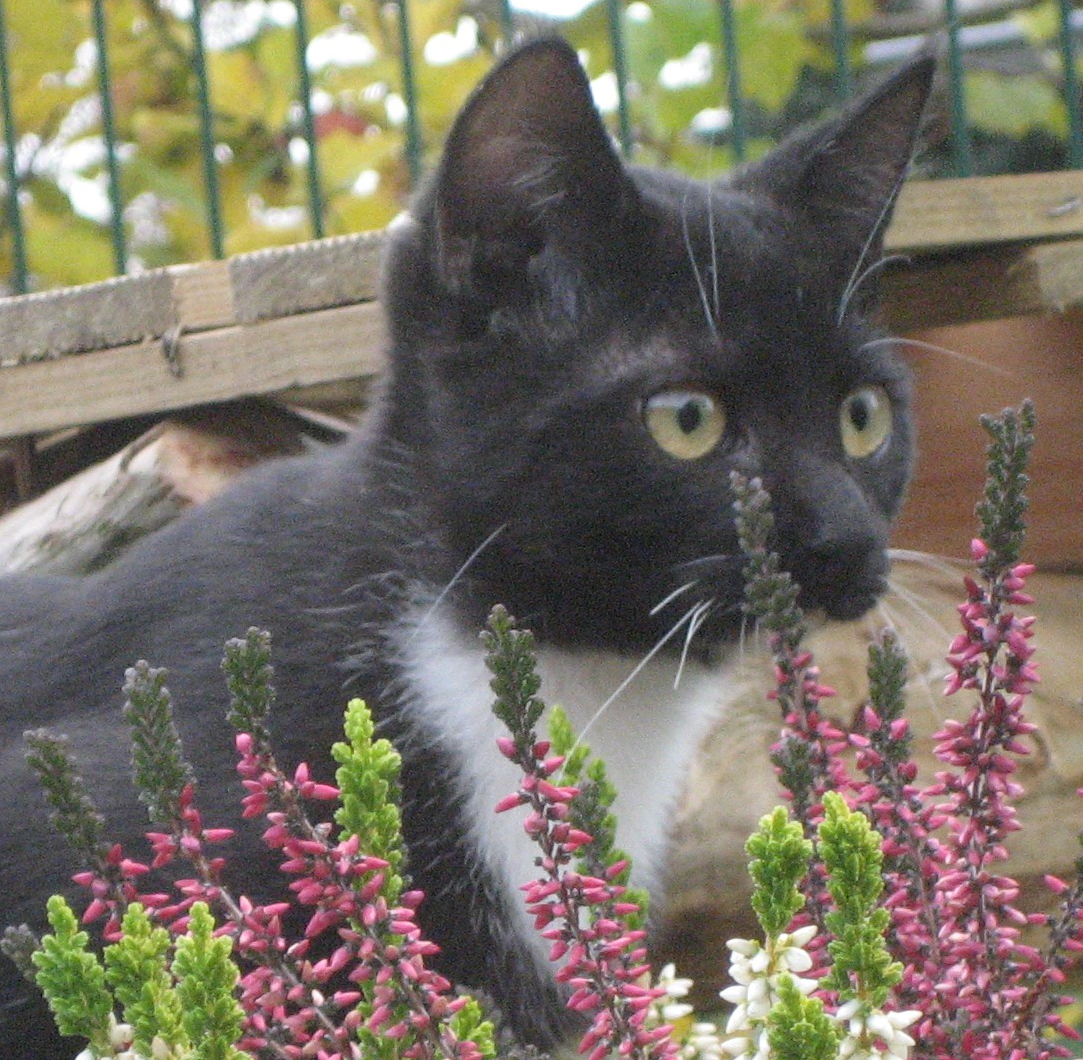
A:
850, 849
779, 858
73, 979
368, 776
798, 1028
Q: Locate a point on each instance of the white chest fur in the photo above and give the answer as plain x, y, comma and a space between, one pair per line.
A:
647, 736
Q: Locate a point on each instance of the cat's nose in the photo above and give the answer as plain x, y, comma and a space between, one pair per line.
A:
843, 575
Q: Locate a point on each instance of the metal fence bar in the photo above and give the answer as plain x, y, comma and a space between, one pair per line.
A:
615, 14
960, 135
734, 92
206, 131
1071, 87
409, 92
840, 44
20, 272
507, 22
312, 163
105, 95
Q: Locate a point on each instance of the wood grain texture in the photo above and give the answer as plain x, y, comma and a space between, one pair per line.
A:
261, 358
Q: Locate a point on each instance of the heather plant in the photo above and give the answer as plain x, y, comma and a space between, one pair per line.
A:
954, 966
888, 929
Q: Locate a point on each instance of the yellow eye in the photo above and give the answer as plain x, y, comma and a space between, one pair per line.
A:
865, 421
687, 424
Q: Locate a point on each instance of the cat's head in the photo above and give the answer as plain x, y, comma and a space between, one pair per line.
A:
584, 350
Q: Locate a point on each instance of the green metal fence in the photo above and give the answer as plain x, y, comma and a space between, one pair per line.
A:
845, 46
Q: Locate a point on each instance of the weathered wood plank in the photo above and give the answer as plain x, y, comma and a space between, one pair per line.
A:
985, 285
977, 211
282, 281
261, 358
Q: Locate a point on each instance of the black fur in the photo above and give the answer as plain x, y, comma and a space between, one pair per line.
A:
540, 294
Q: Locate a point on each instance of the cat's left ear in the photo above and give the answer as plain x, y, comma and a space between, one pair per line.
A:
844, 175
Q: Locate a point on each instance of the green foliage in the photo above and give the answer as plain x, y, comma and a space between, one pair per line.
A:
160, 769
887, 686
206, 976
591, 811
470, 1024
850, 849
510, 656
674, 59
779, 859
798, 1028
770, 592
1002, 512
74, 815
247, 666
137, 969
73, 980
368, 777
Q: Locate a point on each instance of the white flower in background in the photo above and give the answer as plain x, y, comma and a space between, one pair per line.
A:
700, 1041
870, 1025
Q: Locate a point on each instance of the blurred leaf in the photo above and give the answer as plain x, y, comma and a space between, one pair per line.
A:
1013, 106
1040, 24
774, 50
66, 249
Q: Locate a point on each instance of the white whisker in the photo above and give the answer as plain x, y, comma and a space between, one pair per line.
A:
873, 235
852, 290
913, 601
659, 645
667, 600
930, 560
697, 621
695, 267
900, 340
714, 250
455, 578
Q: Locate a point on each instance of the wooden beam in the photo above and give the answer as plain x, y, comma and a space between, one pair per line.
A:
977, 211
261, 358
984, 285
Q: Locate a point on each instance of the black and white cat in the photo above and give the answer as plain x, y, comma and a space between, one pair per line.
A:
580, 353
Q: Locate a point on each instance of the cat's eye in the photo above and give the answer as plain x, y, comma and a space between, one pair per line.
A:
865, 421
687, 424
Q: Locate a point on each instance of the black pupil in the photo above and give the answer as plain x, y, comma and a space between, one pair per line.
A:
689, 416
859, 413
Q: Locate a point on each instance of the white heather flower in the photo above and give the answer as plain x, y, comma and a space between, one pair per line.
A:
866, 1027
700, 1041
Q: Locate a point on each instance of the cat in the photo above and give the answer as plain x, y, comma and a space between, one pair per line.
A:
580, 353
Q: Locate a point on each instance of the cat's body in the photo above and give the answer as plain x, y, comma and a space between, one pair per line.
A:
556, 322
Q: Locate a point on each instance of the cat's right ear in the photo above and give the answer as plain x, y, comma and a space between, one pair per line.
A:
528, 165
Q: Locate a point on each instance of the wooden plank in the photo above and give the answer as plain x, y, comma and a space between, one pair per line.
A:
261, 358
984, 285
975, 211
264, 284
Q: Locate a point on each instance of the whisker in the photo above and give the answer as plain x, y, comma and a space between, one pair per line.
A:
854, 287
874, 234
714, 250
695, 267
658, 646
717, 559
901, 340
694, 625
913, 601
667, 600
930, 560
442, 595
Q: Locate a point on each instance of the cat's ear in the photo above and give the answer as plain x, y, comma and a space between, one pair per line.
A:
528, 162
845, 174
